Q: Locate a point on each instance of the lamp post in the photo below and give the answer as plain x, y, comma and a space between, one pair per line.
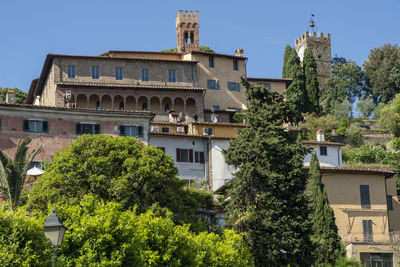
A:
54, 231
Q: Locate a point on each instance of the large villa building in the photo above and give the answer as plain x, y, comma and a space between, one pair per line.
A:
183, 102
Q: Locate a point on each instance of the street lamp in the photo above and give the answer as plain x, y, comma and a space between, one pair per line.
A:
54, 229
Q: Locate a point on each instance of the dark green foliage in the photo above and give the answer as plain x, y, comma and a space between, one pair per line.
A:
288, 50
296, 92
389, 117
325, 233
354, 134
13, 172
117, 169
396, 143
312, 86
238, 117
344, 123
22, 242
366, 107
346, 84
382, 71
104, 234
265, 195
20, 96
313, 122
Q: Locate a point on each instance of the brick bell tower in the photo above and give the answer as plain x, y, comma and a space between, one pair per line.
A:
320, 46
187, 31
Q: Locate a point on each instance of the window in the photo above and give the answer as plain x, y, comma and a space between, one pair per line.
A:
389, 202
95, 72
87, 128
212, 84
171, 76
145, 75
233, 86
121, 106
161, 148
211, 61
376, 259
364, 193
36, 164
165, 129
367, 230
265, 85
199, 157
71, 71
0, 124
35, 126
235, 64
215, 108
184, 155
323, 151
166, 107
135, 131
118, 74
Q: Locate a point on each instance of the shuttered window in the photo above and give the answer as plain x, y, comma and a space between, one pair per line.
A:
199, 157
364, 194
184, 155
367, 230
35, 126
87, 128
135, 131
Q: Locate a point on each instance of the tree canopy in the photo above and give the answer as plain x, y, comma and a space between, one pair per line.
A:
266, 199
389, 117
382, 71
20, 96
117, 169
312, 87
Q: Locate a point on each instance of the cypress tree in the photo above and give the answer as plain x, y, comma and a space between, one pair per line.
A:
266, 199
296, 92
312, 86
288, 49
325, 233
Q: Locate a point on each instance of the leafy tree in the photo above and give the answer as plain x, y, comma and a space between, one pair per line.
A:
13, 172
382, 71
312, 86
22, 242
117, 169
296, 92
313, 122
389, 117
288, 50
265, 195
104, 234
20, 96
366, 107
346, 84
325, 232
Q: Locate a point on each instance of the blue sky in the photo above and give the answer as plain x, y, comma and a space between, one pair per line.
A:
30, 29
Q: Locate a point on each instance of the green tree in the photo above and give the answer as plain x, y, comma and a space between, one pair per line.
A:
266, 199
346, 84
366, 107
104, 234
22, 242
13, 172
296, 92
389, 117
382, 71
20, 96
117, 169
286, 55
325, 233
312, 86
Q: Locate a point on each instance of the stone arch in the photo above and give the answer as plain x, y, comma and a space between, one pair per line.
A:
106, 102
119, 102
155, 104
143, 103
190, 106
130, 103
179, 105
81, 101
94, 102
166, 104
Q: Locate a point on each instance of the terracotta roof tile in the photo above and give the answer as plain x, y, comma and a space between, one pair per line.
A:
121, 85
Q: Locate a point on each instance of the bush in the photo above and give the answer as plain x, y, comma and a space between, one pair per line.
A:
312, 122
342, 127
22, 241
354, 134
396, 143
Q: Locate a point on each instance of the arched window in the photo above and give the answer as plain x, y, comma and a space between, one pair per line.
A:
121, 106
144, 106
98, 105
166, 107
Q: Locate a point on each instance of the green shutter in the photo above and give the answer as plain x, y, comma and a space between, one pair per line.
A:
122, 130
97, 129
140, 131
26, 126
45, 126
78, 128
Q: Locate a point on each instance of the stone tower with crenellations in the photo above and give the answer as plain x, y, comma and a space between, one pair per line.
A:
187, 31
320, 46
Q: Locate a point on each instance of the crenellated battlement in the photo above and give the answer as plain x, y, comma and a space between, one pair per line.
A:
306, 36
187, 17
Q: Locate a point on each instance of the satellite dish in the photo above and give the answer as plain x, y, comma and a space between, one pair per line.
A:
214, 118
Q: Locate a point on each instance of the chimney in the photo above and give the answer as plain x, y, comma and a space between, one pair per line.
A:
320, 135
10, 96
239, 52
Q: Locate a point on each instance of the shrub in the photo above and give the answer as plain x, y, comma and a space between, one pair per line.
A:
354, 134
396, 143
